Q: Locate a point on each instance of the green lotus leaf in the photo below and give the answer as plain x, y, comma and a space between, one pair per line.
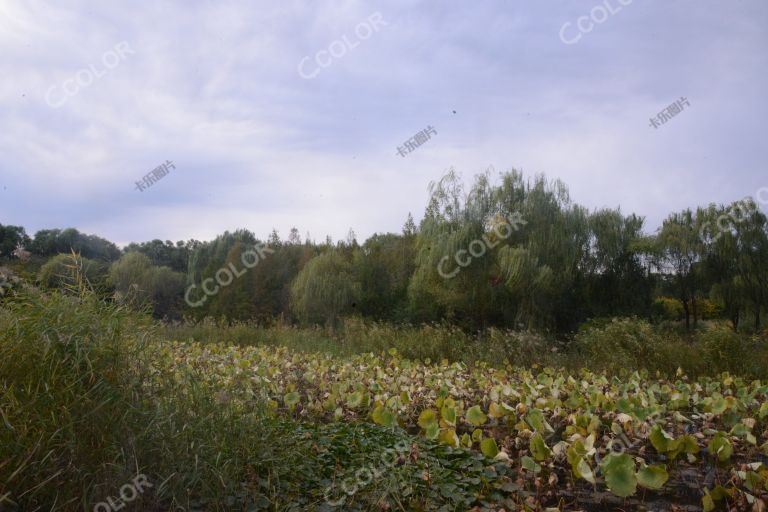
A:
720, 447
291, 399
619, 471
653, 477
476, 416
488, 447
582, 469
358, 399
427, 418
383, 416
448, 414
661, 440
718, 406
529, 464
495, 411
448, 437
535, 419
539, 448
688, 444
432, 431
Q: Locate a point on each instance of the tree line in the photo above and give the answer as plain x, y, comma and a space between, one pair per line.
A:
510, 252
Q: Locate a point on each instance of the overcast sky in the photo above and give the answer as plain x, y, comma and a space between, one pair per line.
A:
95, 95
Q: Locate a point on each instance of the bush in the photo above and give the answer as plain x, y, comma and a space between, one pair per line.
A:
728, 351
63, 271
667, 308
635, 344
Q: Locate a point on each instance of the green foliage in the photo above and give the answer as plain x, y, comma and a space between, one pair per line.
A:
63, 271
620, 474
630, 343
10, 238
8, 281
50, 242
139, 284
68, 403
668, 308
325, 289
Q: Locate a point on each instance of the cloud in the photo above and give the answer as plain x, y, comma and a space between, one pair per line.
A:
215, 88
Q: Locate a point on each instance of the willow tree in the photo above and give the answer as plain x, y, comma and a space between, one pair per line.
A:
542, 265
681, 247
505, 253
325, 289
751, 235
457, 275
615, 280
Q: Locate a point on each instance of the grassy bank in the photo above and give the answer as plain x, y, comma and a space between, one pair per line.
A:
612, 345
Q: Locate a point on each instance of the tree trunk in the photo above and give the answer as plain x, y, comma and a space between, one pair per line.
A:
735, 321
695, 312
687, 315
757, 318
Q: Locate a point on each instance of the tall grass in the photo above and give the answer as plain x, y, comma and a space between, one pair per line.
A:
69, 381
83, 411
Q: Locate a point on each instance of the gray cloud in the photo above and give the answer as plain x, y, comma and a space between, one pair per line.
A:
214, 87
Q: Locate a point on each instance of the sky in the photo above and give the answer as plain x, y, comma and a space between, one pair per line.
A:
291, 113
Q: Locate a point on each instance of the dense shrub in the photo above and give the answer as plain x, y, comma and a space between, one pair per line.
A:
63, 271
667, 308
726, 350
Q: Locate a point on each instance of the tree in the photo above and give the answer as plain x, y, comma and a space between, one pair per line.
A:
614, 280
325, 289
500, 254
720, 268
10, 238
751, 236
384, 265
50, 242
165, 254
681, 248
140, 284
